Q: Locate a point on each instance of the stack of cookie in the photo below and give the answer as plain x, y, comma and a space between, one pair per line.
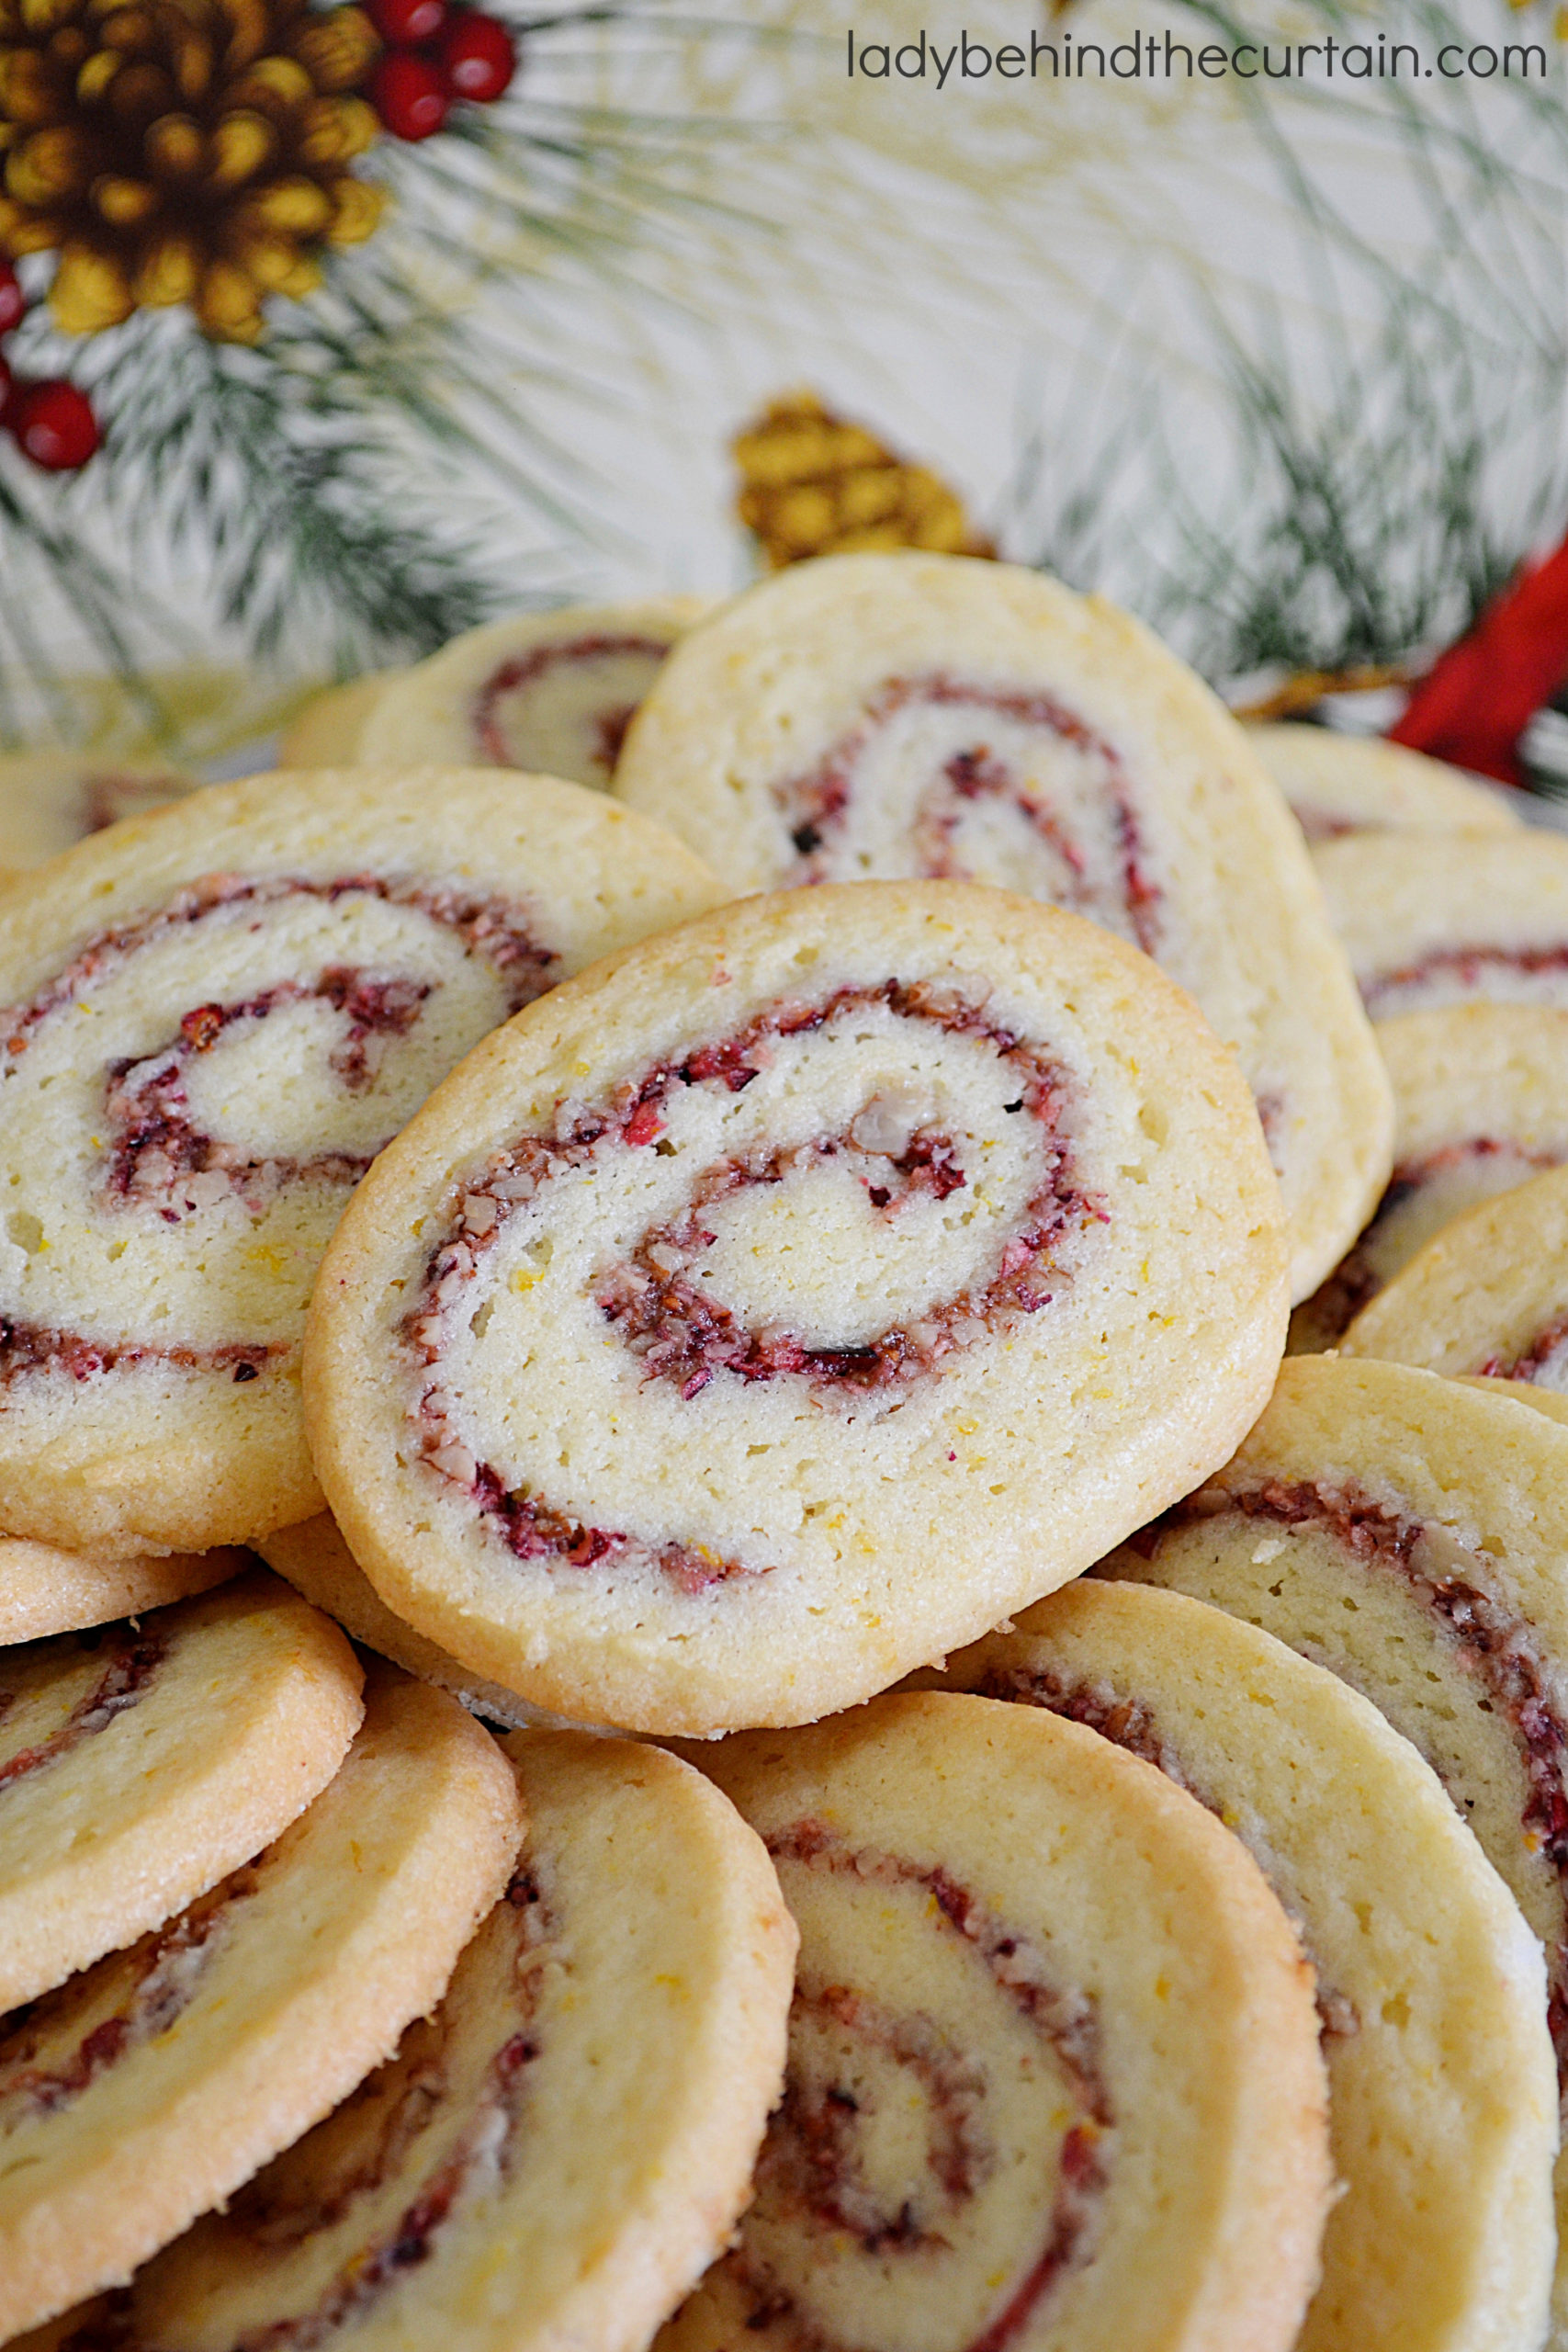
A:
669, 1263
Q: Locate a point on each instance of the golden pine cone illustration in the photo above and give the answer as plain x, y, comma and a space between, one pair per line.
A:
812, 483
182, 151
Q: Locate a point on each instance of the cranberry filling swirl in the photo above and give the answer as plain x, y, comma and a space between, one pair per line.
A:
1497, 1647
372, 1035
1454, 975
850, 2209
651, 1294
950, 777
329, 2232
129, 1663
611, 670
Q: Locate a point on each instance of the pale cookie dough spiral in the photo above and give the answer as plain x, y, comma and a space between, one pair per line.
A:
738, 1324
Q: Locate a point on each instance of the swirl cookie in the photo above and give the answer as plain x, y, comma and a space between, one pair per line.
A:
1431, 920
557, 2153
1442, 2091
118, 1807
900, 716
45, 1590
1480, 1102
1356, 783
50, 800
319, 1564
781, 1303
1487, 1296
550, 691
147, 2090
215, 1019
1408, 1532
1054, 2075
325, 733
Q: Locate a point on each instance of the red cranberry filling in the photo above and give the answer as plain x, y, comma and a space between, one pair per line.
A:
815, 805
1466, 970
1354, 1282
1545, 1353
130, 1662
685, 1338
1498, 1648
164, 1970
810, 2166
161, 1159
516, 676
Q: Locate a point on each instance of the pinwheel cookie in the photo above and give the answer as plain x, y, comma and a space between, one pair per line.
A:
552, 692
895, 716
781, 1303
1480, 1097
1408, 1532
325, 733
50, 800
1442, 2090
1488, 1294
215, 1018
44, 1589
552, 2158
119, 1804
1355, 783
319, 1564
1054, 2074
1431, 920
145, 2091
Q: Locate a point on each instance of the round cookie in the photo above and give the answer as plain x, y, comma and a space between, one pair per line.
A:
118, 1807
1488, 1294
1054, 2075
1408, 1532
558, 2153
903, 715
147, 2090
1357, 784
777, 1305
49, 800
1435, 918
554, 692
1431, 1993
45, 1590
216, 1017
325, 733
1480, 1098
319, 1564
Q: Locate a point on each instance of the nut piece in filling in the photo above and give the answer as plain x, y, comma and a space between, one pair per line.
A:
146, 2090
1433, 918
1488, 1296
214, 1019
1054, 2074
557, 2153
1480, 1097
1408, 1532
118, 1807
551, 692
898, 717
1430, 1990
789, 1299
1355, 783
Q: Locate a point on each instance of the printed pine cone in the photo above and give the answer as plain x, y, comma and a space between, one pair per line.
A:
182, 151
812, 483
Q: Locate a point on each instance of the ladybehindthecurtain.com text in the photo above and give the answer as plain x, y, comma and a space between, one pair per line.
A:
1143, 57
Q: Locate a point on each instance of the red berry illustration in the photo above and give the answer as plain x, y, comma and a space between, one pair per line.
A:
405, 23
54, 422
410, 97
13, 302
477, 56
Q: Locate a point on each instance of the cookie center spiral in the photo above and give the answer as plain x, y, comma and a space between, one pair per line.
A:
564, 709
